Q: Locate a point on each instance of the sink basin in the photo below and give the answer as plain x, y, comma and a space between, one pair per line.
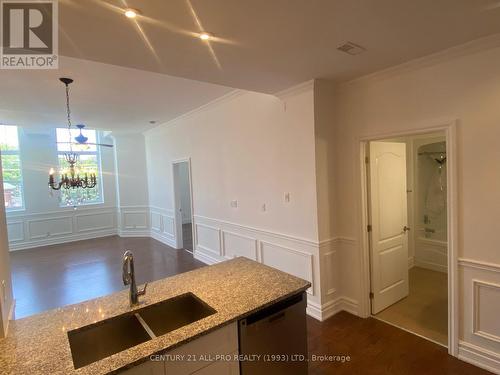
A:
98, 341
174, 313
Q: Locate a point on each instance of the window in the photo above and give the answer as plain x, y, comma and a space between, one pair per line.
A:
89, 161
11, 168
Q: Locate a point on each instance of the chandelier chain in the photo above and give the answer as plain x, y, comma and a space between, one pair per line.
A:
68, 112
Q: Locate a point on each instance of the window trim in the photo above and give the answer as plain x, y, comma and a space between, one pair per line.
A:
97, 153
21, 183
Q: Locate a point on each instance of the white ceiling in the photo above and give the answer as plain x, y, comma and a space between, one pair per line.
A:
270, 45
260, 45
102, 97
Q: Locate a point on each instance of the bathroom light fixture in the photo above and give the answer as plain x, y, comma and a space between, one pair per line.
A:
131, 13
205, 36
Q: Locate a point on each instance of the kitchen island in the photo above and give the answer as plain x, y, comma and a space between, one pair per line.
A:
234, 289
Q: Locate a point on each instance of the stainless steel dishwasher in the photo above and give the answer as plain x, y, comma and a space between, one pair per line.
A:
274, 340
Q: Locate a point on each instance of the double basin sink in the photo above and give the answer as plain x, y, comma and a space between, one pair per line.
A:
95, 342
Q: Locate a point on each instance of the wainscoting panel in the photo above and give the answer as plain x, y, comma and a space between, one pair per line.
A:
135, 220
41, 229
218, 240
168, 225
156, 221
235, 245
479, 311
331, 273
15, 230
94, 222
50, 227
486, 310
162, 226
288, 260
208, 240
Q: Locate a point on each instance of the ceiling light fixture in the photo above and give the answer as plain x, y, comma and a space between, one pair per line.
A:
205, 36
70, 178
131, 13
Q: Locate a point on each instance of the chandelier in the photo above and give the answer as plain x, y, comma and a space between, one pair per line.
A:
71, 179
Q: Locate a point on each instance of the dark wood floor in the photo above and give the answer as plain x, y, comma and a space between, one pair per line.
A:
53, 276
377, 348
47, 277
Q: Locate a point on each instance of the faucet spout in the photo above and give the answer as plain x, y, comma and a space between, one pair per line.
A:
128, 277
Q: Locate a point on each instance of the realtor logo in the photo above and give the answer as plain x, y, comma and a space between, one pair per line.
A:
29, 38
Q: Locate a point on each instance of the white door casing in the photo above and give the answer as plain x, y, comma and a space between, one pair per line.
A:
177, 206
389, 218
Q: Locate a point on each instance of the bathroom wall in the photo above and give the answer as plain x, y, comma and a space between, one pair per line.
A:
430, 204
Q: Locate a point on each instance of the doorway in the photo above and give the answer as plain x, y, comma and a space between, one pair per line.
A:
183, 204
406, 194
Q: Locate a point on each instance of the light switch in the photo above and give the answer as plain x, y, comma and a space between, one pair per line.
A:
234, 203
287, 197
264, 208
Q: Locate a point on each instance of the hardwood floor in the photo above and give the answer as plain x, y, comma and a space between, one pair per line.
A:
53, 276
47, 277
378, 348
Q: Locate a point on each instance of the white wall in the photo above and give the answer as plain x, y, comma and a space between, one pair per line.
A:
464, 87
251, 148
132, 184
43, 221
248, 148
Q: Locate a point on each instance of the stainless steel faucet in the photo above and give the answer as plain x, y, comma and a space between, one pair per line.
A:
129, 278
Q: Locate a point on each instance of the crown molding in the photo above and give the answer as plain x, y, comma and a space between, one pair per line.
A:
469, 48
211, 104
294, 90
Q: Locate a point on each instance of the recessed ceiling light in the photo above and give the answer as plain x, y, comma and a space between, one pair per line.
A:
205, 36
131, 13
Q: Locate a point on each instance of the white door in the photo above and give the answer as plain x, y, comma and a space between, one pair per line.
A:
388, 209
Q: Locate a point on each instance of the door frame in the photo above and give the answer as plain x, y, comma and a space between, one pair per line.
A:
449, 129
177, 223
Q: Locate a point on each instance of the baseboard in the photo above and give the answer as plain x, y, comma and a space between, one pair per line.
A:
350, 305
431, 266
134, 233
479, 357
60, 240
164, 240
331, 308
204, 258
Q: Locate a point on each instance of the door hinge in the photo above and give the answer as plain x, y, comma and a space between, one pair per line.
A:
367, 159
369, 228
371, 295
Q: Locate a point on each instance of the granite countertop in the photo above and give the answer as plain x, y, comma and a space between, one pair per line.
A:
235, 288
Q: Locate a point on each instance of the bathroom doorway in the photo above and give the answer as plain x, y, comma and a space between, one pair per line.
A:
183, 204
407, 211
